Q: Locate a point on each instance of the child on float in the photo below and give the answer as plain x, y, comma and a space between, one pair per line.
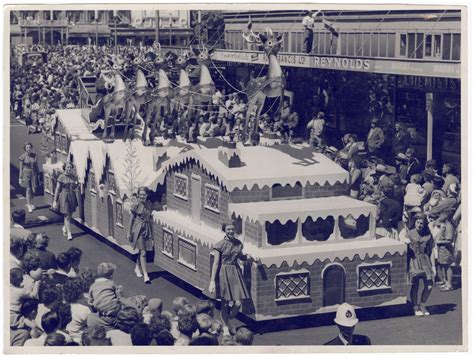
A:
140, 231
232, 286
65, 196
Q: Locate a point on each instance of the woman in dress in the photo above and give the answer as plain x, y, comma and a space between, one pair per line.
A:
28, 174
231, 283
65, 196
421, 263
140, 230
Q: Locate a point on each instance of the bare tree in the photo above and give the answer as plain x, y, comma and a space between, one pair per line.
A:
132, 167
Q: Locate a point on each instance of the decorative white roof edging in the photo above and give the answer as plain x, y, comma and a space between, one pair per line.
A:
335, 250
184, 226
292, 210
264, 166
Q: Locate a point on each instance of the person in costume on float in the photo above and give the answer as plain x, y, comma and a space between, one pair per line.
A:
65, 196
421, 263
346, 321
231, 283
28, 174
140, 230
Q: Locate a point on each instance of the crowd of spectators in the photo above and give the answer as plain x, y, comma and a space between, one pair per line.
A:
54, 301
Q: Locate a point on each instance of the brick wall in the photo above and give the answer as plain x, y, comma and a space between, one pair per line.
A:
199, 277
253, 231
255, 194
263, 286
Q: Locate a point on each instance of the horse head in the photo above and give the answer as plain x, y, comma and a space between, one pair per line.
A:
203, 55
271, 43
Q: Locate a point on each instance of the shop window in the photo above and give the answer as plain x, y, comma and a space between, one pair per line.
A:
403, 45
351, 227
319, 230
119, 213
373, 276
279, 192
447, 46
294, 285
187, 253
278, 233
112, 184
167, 248
181, 186
211, 198
456, 55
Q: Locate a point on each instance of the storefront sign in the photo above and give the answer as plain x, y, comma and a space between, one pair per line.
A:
387, 66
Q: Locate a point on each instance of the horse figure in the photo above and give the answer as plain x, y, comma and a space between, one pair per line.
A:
159, 98
270, 86
135, 100
113, 103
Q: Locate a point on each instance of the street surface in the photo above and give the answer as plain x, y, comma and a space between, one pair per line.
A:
389, 326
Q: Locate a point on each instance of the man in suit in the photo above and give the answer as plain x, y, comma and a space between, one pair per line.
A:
346, 321
375, 137
401, 140
17, 229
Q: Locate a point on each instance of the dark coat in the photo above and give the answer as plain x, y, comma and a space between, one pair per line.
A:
401, 141
390, 213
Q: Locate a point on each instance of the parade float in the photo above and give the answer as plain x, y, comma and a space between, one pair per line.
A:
311, 246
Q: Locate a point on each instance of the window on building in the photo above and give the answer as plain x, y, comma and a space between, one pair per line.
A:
419, 45
383, 44
373, 276
411, 45
366, 44
278, 233
403, 45
187, 253
47, 184
317, 43
112, 185
92, 180
428, 45
344, 44
437, 46
285, 192
351, 227
456, 52
119, 213
295, 285
167, 248
181, 186
211, 197
391, 38
319, 230
374, 45
446, 46
358, 45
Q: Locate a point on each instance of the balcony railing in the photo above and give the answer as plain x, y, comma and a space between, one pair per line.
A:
40, 22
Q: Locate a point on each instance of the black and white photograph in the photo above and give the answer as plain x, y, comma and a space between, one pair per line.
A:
243, 177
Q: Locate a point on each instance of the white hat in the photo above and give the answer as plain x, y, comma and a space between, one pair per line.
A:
346, 316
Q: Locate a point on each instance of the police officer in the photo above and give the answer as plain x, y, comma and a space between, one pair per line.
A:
346, 321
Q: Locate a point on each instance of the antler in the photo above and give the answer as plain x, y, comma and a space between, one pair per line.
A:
269, 31
251, 37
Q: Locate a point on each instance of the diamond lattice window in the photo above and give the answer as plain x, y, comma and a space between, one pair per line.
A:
373, 277
291, 286
212, 198
167, 243
181, 186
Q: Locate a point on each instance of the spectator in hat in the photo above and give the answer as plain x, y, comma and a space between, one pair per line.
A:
375, 137
346, 321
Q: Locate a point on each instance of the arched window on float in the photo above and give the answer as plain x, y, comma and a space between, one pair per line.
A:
278, 233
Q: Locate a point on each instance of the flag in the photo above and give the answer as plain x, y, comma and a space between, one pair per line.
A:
249, 24
330, 27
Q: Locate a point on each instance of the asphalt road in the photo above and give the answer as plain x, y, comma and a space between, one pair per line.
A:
388, 326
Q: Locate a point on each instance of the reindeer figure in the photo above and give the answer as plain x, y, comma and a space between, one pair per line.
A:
135, 100
182, 94
113, 102
159, 98
270, 86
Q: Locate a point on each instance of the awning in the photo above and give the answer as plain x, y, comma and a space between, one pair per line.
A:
285, 210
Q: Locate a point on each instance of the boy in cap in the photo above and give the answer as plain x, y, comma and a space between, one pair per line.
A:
346, 321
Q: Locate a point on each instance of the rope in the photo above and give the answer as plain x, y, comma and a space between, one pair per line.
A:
424, 38
377, 28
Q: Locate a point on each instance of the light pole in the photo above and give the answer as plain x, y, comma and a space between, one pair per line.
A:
51, 15
171, 25
115, 29
157, 29
96, 15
